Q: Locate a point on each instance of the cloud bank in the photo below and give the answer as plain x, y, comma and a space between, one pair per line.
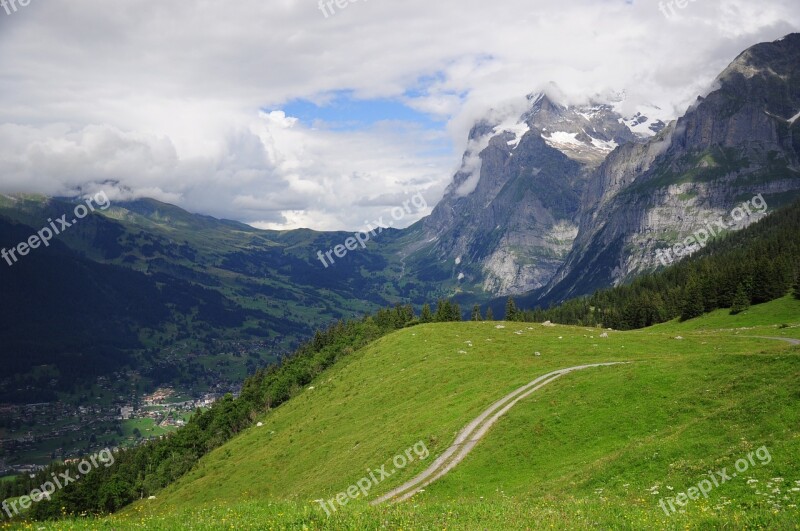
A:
185, 101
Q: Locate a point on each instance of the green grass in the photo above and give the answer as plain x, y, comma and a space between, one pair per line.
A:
763, 319
146, 426
588, 451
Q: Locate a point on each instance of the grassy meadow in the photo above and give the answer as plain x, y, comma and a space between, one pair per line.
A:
598, 448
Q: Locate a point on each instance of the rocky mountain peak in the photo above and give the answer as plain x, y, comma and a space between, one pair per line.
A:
738, 142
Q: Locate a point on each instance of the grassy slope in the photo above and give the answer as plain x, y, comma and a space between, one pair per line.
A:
763, 319
589, 449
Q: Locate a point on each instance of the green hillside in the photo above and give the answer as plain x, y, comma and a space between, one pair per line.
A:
596, 448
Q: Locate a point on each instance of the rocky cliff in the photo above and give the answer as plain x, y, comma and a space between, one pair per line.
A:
739, 142
510, 217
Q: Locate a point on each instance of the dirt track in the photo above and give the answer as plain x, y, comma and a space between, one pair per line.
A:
472, 433
786, 339
477, 429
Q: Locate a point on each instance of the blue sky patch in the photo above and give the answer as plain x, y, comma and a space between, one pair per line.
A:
344, 113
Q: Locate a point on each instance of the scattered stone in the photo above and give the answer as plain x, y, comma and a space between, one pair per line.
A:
259, 424
678, 337
604, 336
547, 323
499, 327
151, 498
537, 353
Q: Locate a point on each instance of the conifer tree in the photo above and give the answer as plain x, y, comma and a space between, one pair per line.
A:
693, 300
455, 312
476, 313
741, 300
443, 310
511, 310
796, 286
426, 316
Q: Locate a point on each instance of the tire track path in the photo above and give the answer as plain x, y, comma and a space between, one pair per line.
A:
468, 437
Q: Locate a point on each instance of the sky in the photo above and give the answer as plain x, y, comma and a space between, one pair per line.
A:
290, 113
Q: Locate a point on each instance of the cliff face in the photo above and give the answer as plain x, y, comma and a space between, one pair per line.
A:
739, 142
562, 200
510, 217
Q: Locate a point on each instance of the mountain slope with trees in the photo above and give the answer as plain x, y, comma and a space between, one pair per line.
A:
756, 265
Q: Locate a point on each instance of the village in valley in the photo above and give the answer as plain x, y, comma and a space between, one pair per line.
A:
123, 409
38, 433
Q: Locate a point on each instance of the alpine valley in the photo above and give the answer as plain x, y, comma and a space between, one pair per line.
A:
144, 300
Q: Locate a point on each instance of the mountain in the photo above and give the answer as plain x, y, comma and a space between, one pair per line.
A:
145, 276
561, 199
69, 320
738, 143
142, 295
193, 284
509, 219
552, 202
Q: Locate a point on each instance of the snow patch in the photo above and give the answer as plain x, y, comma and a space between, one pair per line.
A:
560, 139
644, 121
604, 145
516, 128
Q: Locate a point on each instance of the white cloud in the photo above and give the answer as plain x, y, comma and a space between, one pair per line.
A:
165, 99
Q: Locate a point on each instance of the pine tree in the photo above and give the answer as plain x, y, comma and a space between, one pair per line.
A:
426, 316
511, 310
693, 300
443, 311
741, 301
476, 313
797, 285
489, 314
455, 312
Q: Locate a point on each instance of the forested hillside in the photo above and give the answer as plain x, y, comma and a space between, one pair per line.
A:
756, 265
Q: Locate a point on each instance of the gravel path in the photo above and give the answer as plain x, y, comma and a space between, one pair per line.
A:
786, 339
472, 433
477, 429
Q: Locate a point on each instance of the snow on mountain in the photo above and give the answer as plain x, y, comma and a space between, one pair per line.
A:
515, 127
